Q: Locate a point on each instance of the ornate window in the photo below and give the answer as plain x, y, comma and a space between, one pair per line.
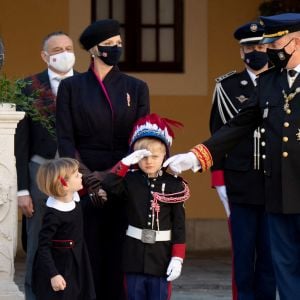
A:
152, 31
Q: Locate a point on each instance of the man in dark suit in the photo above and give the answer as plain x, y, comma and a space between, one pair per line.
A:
35, 143
275, 107
253, 275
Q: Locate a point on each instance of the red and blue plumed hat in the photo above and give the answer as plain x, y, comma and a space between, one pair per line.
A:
154, 126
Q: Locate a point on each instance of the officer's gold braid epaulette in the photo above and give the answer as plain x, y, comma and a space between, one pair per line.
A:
222, 77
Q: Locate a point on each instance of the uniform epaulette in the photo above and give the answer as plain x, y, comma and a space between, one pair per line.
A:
222, 77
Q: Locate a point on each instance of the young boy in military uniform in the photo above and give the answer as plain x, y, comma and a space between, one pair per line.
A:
154, 247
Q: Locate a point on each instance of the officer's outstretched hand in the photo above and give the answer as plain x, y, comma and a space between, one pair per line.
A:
135, 157
174, 268
182, 162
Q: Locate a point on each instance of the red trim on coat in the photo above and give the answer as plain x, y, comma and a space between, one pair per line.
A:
125, 286
120, 169
104, 90
179, 250
66, 244
233, 282
169, 290
217, 178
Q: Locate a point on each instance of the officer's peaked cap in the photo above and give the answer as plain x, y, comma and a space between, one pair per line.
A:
278, 26
249, 34
98, 32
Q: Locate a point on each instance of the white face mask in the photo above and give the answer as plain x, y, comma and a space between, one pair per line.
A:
62, 62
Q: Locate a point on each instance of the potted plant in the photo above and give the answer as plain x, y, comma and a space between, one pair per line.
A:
12, 97
11, 94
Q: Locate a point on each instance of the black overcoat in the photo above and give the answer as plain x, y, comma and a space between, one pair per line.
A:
97, 127
72, 263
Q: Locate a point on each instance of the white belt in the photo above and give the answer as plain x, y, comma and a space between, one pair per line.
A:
38, 159
148, 236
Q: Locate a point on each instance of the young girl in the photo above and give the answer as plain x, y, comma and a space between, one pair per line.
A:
62, 268
154, 247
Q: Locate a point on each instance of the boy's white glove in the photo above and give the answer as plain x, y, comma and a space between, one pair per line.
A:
135, 157
174, 268
182, 162
221, 190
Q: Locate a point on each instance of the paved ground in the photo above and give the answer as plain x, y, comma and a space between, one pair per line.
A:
204, 277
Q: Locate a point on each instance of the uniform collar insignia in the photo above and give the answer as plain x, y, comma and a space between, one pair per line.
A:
244, 82
242, 98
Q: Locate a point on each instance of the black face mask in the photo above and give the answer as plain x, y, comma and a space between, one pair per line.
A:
110, 55
256, 59
279, 57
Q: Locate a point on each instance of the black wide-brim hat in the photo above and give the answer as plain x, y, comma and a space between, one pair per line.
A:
98, 32
278, 26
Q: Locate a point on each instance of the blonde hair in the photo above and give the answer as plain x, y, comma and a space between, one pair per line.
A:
146, 142
53, 175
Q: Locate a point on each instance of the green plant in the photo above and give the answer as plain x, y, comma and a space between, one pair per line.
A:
12, 91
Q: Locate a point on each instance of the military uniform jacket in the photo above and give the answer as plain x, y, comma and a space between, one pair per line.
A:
31, 137
243, 184
71, 262
135, 188
96, 127
280, 130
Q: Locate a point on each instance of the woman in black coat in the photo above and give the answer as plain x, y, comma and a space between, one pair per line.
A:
96, 111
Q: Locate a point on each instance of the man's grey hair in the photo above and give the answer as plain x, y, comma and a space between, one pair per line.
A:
49, 36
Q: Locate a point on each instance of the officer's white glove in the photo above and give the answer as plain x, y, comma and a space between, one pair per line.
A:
135, 157
182, 162
174, 268
221, 190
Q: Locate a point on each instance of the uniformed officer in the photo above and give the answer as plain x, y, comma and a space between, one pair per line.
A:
275, 107
253, 275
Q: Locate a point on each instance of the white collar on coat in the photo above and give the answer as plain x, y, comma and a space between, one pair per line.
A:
63, 206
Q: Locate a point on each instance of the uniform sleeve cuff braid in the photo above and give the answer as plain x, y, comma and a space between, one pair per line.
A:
203, 155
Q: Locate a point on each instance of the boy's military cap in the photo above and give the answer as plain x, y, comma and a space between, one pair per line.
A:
249, 34
278, 26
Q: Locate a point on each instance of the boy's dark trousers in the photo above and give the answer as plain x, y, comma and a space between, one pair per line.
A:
143, 286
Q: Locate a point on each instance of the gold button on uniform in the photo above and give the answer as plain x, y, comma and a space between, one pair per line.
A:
285, 139
288, 111
286, 124
285, 154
